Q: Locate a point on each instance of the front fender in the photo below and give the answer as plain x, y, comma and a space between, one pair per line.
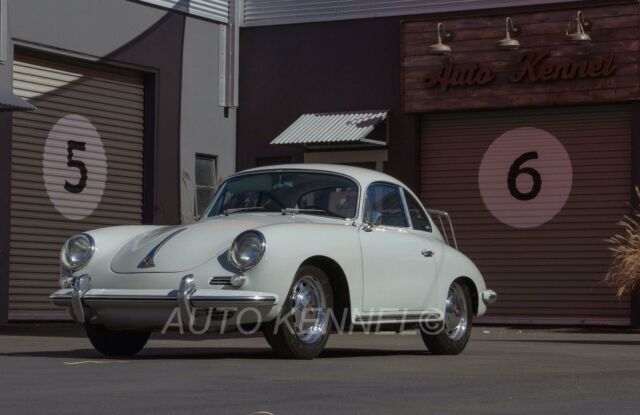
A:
289, 245
108, 242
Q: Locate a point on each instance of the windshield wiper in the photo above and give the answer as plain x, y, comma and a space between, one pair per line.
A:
314, 210
227, 212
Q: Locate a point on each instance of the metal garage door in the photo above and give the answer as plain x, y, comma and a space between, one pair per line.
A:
76, 164
533, 195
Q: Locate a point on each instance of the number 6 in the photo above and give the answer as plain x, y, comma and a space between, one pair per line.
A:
515, 170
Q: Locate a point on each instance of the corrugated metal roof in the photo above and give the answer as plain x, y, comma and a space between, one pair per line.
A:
273, 12
10, 102
333, 127
217, 10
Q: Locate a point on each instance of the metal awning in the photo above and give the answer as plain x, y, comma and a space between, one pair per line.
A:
333, 128
10, 102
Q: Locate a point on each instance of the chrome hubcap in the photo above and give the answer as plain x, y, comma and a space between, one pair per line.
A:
455, 319
309, 309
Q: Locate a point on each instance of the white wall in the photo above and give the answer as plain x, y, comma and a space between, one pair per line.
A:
217, 10
96, 28
92, 27
203, 127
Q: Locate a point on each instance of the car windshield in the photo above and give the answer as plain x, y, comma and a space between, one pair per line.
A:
312, 193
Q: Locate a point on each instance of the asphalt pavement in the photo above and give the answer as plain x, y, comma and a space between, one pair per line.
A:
53, 369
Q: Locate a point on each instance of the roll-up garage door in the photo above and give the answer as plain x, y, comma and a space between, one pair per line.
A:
533, 195
76, 165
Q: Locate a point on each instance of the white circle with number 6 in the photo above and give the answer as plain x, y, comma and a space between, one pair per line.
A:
74, 167
525, 177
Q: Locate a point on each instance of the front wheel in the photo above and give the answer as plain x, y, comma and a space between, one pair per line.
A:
452, 336
116, 342
302, 328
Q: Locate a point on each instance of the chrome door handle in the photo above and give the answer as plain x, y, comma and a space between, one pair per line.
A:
427, 253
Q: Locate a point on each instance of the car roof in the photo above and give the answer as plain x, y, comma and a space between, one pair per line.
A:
361, 175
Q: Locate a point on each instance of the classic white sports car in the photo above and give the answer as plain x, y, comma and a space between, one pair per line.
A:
295, 251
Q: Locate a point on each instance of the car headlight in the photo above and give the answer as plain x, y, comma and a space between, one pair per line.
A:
247, 250
77, 251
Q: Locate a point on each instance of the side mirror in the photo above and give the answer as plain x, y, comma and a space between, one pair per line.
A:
374, 219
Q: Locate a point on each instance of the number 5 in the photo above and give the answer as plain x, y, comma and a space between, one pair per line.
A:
79, 187
516, 170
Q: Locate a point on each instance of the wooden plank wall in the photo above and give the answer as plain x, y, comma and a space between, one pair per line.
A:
614, 32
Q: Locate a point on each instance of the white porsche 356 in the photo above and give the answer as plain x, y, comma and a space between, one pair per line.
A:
296, 250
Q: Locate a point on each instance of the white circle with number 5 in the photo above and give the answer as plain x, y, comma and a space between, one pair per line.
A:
74, 167
525, 177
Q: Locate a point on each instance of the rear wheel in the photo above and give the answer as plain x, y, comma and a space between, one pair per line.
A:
116, 342
302, 330
453, 335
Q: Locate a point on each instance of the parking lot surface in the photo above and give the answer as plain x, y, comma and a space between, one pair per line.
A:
53, 369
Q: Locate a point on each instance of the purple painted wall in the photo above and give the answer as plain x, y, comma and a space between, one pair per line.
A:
334, 66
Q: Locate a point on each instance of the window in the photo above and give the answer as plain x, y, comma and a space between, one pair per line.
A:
309, 193
206, 181
340, 201
419, 219
385, 199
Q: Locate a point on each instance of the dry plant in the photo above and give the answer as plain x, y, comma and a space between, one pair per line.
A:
624, 273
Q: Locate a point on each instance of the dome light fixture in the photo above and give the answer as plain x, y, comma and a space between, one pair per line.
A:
580, 35
511, 31
440, 48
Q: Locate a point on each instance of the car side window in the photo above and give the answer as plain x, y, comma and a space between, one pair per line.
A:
419, 219
339, 200
386, 200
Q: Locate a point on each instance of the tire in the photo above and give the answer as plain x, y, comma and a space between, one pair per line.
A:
116, 342
450, 340
283, 333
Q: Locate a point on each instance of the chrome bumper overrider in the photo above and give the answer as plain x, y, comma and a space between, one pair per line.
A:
81, 298
489, 297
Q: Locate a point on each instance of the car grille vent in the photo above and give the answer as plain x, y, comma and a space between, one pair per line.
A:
220, 281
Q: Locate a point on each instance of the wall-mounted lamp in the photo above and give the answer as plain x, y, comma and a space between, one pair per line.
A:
511, 31
439, 48
580, 34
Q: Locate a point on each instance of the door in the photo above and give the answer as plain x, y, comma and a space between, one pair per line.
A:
76, 164
398, 261
534, 194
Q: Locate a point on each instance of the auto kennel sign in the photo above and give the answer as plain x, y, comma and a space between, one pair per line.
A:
547, 67
534, 67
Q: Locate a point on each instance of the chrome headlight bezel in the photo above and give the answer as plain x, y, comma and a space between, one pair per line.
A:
235, 256
74, 265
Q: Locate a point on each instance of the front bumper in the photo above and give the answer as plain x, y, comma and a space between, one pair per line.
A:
489, 297
152, 308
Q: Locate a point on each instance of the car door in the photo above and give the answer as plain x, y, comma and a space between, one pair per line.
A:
399, 262
431, 247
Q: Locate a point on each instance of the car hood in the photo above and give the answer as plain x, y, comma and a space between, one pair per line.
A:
181, 248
